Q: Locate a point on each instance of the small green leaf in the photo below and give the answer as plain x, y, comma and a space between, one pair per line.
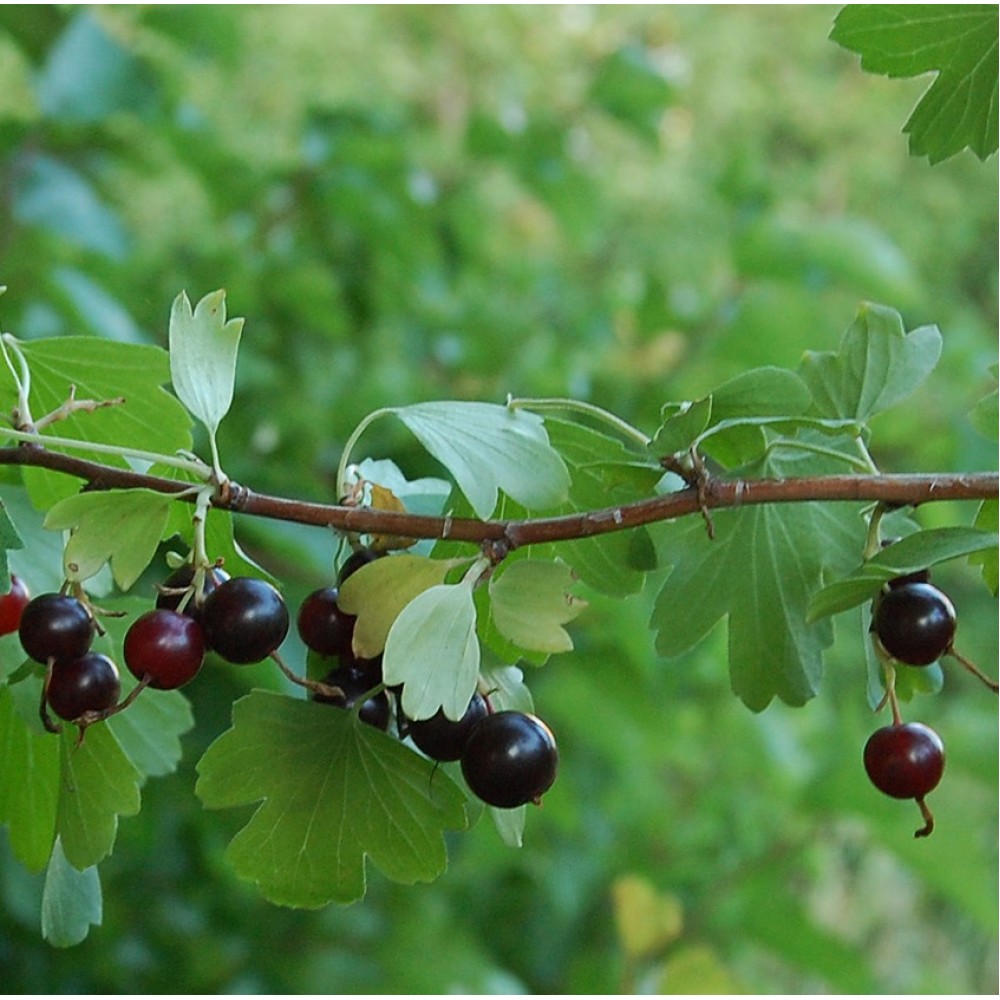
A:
203, 349
433, 651
988, 519
958, 42
332, 791
120, 527
985, 415
681, 428
488, 448
531, 602
71, 901
630, 87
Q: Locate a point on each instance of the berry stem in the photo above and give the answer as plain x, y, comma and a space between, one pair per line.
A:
928, 828
316, 687
974, 670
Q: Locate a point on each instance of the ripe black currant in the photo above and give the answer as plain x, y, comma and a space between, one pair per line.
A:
55, 625
12, 605
245, 619
915, 623
904, 760
442, 738
510, 759
166, 646
354, 562
88, 683
323, 627
180, 580
375, 710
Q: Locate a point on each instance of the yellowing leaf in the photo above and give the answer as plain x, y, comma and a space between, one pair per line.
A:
647, 920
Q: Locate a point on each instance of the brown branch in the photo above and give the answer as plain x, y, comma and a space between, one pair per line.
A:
715, 494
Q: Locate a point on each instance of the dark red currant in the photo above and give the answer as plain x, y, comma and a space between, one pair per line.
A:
442, 738
323, 627
166, 646
88, 683
354, 562
915, 623
905, 760
245, 619
176, 584
510, 759
12, 604
375, 710
55, 625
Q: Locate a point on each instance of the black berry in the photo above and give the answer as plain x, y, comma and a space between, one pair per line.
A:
510, 759
354, 562
245, 619
915, 623
905, 760
12, 605
375, 710
323, 627
88, 683
166, 646
55, 625
176, 585
442, 738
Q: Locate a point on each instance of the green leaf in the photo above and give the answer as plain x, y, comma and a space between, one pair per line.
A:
988, 519
488, 448
433, 651
332, 791
378, 592
71, 901
877, 366
150, 730
985, 415
120, 527
958, 42
630, 87
29, 784
531, 602
98, 783
681, 428
909, 555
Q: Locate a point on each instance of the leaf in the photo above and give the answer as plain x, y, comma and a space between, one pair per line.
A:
958, 42
647, 920
120, 527
98, 783
378, 592
203, 349
988, 519
909, 555
150, 731
682, 427
71, 901
696, 969
630, 87
531, 602
433, 651
985, 415
332, 791
488, 448
877, 366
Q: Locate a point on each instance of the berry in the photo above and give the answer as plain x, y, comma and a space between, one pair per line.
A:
12, 604
510, 759
442, 738
182, 578
324, 628
166, 646
375, 710
88, 683
915, 623
905, 760
354, 562
55, 625
245, 619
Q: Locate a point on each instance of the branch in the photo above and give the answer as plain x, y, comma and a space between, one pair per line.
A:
905, 490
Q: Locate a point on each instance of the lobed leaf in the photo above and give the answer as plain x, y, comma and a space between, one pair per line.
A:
71, 901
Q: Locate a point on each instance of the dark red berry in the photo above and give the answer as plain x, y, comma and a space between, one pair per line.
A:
510, 759
915, 623
375, 709
180, 580
55, 625
442, 738
12, 604
245, 619
323, 627
166, 646
354, 562
905, 760
88, 683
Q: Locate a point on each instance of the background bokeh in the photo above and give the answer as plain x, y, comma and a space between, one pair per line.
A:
624, 204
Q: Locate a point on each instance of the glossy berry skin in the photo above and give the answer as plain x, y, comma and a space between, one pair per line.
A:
510, 759
88, 683
245, 619
375, 710
905, 761
323, 627
354, 562
182, 577
442, 738
12, 604
55, 625
915, 623
166, 646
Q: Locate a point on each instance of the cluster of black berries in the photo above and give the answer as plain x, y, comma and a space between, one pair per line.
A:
507, 758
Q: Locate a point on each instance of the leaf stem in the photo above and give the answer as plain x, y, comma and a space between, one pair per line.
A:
345, 455
552, 404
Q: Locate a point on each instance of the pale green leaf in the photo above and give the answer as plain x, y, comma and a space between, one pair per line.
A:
488, 448
332, 791
71, 901
433, 651
988, 519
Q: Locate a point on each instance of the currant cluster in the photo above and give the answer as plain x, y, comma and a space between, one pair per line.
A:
507, 758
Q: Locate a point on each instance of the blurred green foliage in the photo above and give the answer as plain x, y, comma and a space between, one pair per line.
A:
622, 204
